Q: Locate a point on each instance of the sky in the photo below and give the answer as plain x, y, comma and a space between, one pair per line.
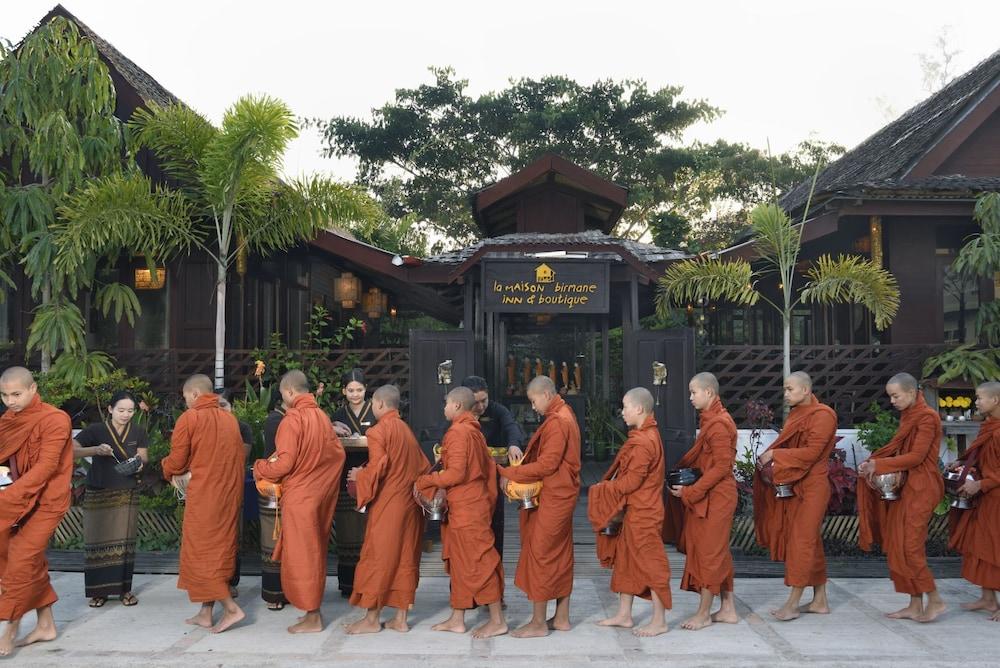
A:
781, 71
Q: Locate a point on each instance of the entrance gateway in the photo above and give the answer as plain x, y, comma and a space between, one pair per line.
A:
549, 291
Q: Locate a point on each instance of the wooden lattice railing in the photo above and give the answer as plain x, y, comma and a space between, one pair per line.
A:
167, 369
848, 378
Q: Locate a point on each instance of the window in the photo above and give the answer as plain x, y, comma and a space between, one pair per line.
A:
960, 296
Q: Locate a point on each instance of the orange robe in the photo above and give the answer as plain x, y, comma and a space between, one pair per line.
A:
792, 528
206, 441
308, 460
900, 526
389, 568
634, 483
976, 532
545, 567
468, 473
39, 440
701, 520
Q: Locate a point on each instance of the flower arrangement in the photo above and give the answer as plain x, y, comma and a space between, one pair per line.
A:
955, 407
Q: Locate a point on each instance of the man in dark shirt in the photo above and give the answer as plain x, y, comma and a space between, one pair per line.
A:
501, 431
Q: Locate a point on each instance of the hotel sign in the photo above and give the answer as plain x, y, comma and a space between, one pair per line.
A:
545, 286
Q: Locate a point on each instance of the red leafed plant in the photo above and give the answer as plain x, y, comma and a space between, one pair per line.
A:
843, 485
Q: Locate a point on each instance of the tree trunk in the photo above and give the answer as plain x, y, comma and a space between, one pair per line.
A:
786, 343
220, 327
46, 353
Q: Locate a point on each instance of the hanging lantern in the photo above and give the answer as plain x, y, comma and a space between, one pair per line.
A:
347, 290
374, 304
145, 279
393, 313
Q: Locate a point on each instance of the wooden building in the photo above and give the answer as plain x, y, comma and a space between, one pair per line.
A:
904, 197
175, 334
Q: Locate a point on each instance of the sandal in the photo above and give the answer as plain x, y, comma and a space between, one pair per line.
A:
98, 601
129, 599
276, 606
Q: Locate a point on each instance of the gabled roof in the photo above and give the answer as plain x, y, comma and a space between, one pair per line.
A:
554, 168
642, 257
886, 160
148, 88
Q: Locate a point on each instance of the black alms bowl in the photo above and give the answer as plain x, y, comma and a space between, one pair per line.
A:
683, 477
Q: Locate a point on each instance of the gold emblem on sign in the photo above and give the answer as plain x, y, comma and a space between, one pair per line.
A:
544, 274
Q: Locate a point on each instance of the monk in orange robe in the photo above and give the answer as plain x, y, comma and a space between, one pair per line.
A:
631, 492
791, 528
206, 443
35, 440
900, 526
545, 567
707, 507
976, 532
389, 568
468, 474
307, 462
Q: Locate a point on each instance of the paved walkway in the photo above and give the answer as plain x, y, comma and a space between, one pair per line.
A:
855, 634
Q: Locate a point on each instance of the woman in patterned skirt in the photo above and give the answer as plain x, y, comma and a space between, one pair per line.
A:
111, 501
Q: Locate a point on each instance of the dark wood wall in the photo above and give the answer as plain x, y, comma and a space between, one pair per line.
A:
978, 155
910, 245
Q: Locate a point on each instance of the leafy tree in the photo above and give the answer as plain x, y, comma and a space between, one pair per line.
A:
59, 138
227, 180
730, 179
847, 279
426, 151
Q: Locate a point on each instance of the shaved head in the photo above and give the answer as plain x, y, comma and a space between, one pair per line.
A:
541, 385
706, 381
800, 378
990, 389
387, 394
641, 398
462, 396
294, 380
17, 375
199, 382
904, 381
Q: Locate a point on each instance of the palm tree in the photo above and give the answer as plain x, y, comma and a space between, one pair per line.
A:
846, 279
227, 179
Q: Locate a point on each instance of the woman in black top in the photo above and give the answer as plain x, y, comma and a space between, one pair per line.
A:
111, 501
353, 418
270, 570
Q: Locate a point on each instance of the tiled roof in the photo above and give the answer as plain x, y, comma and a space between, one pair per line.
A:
889, 154
645, 252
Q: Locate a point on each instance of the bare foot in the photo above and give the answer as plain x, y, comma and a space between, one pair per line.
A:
228, 619
815, 609
202, 619
557, 625
986, 604
785, 614
697, 622
995, 617
38, 634
490, 630
531, 630
308, 624
362, 626
7, 640
397, 625
617, 620
450, 626
650, 630
726, 617
932, 612
909, 612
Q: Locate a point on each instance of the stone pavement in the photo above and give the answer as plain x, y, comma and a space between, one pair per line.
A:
855, 634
